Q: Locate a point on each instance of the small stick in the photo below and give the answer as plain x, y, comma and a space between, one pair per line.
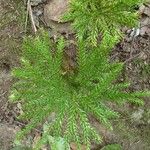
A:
31, 16
27, 14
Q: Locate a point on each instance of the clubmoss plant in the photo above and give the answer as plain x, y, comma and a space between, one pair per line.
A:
44, 89
92, 17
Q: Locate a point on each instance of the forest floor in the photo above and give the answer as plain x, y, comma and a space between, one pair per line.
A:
132, 129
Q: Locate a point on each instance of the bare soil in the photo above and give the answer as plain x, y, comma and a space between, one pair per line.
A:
10, 34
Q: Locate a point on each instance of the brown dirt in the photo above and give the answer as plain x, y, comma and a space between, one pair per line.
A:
9, 132
10, 35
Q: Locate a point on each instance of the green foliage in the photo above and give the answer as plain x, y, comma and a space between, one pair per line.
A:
92, 17
43, 89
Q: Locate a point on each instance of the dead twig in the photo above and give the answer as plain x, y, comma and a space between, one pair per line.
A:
29, 9
27, 14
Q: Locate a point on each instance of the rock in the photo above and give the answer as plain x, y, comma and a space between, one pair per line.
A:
55, 9
53, 12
